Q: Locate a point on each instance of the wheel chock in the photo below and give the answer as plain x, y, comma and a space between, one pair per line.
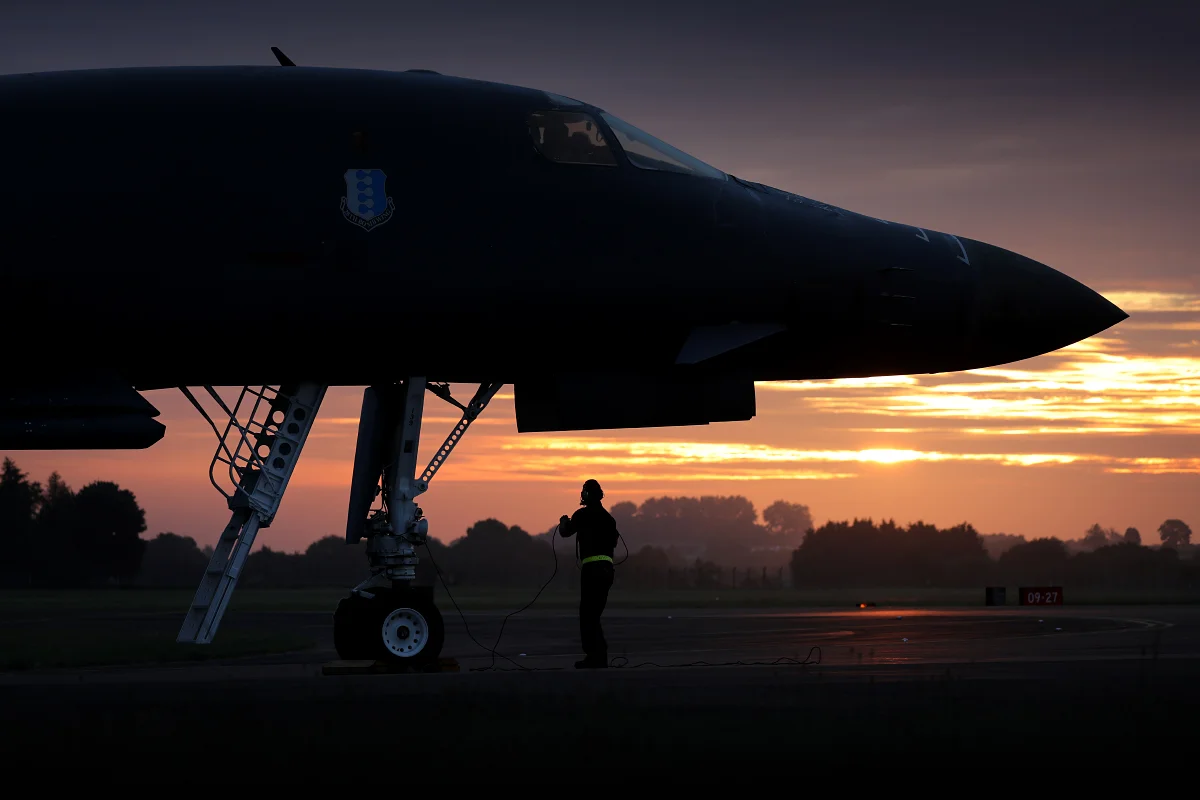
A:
372, 667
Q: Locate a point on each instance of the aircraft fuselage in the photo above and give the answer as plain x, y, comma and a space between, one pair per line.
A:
188, 226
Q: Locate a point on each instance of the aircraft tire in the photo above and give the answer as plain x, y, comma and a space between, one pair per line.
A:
352, 628
407, 629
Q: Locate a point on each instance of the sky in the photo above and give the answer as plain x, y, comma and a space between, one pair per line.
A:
1067, 132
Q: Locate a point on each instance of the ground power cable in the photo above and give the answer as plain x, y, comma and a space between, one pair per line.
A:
617, 662
492, 666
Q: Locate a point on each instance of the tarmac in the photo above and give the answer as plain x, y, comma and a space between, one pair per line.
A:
699, 694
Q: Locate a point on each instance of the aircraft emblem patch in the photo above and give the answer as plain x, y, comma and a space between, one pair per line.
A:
366, 203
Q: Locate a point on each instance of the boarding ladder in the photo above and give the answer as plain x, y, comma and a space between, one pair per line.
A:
251, 468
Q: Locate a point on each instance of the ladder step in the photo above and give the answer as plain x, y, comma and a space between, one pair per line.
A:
259, 487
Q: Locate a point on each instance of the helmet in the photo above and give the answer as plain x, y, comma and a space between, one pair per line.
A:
592, 493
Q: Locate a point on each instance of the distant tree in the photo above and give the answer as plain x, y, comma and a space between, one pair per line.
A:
1038, 561
273, 569
57, 500
493, 554
650, 557
622, 512
1096, 537
997, 544
329, 561
1126, 565
1132, 536
699, 520
788, 521
20, 496
647, 568
57, 558
844, 554
861, 553
20, 500
1174, 533
171, 561
427, 568
728, 513
945, 557
106, 531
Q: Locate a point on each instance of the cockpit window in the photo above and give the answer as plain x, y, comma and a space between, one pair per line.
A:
570, 137
648, 152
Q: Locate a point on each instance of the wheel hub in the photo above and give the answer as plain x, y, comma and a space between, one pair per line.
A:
405, 632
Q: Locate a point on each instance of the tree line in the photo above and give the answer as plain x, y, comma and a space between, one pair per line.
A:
53, 536
863, 553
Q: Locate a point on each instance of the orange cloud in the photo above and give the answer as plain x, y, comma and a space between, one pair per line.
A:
1088, 388
1133, 301
562, 458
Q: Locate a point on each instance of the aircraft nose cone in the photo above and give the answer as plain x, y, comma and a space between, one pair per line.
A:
1027, 308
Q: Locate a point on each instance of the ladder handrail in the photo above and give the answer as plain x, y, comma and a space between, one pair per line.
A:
263, 493
243, 432
241, 457
220, 439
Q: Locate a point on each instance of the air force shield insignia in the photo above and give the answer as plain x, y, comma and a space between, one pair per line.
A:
366, 203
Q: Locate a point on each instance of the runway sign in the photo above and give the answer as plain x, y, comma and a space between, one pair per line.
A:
1041, 595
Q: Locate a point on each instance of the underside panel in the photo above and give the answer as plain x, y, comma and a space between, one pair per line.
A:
95, 412
370, 455
595, 401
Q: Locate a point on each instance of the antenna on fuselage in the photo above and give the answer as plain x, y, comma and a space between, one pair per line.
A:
284, 61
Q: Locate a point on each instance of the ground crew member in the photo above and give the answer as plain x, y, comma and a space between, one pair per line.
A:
597, 539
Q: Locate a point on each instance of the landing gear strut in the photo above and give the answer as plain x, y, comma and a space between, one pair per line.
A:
386, 617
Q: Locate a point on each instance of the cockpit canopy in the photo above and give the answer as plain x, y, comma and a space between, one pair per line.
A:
575, 137
570, 137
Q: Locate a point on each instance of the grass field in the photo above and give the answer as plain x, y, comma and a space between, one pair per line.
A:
57, 646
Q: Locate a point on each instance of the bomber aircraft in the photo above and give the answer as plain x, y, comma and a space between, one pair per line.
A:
284, 229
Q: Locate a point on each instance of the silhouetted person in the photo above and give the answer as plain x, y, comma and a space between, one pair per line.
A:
556, 139
597, 539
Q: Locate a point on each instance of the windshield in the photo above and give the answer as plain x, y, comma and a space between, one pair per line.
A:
569, 137
647, 152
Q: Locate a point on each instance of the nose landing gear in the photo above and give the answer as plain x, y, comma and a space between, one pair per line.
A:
386, 617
